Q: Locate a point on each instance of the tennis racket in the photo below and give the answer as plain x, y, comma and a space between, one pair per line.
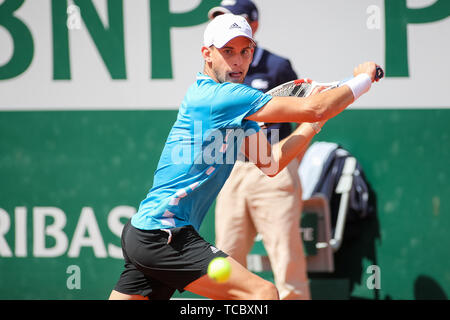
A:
304, 87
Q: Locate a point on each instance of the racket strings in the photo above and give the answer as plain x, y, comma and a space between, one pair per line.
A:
292, 89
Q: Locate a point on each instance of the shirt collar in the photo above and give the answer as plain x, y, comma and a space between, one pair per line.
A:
202, 76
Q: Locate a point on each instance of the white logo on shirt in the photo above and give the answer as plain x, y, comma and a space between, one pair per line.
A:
260, 84
214, 249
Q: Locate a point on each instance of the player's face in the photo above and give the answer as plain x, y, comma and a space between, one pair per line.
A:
231, 62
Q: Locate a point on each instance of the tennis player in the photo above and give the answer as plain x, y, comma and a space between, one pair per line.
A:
251, 203
162, 249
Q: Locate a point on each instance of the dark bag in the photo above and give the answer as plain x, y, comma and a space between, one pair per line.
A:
362, 200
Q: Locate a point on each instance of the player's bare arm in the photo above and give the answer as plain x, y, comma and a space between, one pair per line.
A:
314, 108
272, 159
318, 107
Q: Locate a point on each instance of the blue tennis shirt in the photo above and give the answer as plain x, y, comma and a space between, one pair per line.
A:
199, 153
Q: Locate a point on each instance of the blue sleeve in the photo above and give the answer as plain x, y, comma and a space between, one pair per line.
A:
233, 102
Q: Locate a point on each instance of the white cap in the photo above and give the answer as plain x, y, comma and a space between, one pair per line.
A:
225, 27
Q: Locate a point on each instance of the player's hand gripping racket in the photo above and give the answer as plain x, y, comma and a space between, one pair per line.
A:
304, 87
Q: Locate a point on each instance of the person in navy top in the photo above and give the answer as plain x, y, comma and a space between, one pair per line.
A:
218, 116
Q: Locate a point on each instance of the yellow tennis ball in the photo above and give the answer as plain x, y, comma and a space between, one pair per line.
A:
219, 269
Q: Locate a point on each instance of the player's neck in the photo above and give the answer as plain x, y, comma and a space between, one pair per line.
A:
209, 72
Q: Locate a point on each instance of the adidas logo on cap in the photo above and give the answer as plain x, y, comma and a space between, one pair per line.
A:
224, 28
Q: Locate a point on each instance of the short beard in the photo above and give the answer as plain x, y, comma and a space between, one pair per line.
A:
219, 77
224, 78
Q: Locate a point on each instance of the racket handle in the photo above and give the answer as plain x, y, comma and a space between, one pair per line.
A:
379, 73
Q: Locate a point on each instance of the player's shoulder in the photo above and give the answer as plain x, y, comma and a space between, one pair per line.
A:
230, 92
207, 94
207, 85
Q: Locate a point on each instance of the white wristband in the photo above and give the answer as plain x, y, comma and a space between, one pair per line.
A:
359, 84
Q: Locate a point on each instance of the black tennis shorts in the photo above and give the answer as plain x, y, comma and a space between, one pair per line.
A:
158, 262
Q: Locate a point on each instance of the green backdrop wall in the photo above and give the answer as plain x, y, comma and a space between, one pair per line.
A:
103, 160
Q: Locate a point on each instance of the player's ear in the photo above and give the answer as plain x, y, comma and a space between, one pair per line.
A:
206, 54
254, 25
